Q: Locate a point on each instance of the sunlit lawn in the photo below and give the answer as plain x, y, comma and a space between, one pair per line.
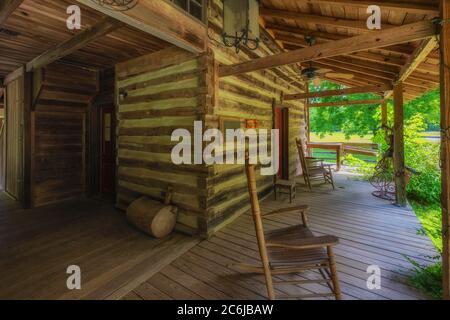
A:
340, 137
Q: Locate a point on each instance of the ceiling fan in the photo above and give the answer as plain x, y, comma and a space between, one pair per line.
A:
314, 74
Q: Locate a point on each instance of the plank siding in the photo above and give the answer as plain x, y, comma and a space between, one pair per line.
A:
61, 133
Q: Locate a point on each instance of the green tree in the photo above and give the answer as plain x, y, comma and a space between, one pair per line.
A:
366, 119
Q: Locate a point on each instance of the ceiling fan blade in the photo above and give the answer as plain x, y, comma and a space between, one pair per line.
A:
317, 82
339, 75
322, 71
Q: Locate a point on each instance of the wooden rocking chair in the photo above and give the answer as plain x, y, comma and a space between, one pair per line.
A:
291, 250
313, 168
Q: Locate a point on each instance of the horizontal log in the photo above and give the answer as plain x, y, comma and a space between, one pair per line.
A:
345, 103
340, 92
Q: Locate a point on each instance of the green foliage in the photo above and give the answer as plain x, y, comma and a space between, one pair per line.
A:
359, 166
427, 105
365, 119
358, 120
423, 157
427, 278
430, 218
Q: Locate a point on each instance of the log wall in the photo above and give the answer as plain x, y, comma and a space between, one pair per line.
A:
169, 90
158, 94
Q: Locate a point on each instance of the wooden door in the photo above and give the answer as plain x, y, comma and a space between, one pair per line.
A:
282, 124
108, 154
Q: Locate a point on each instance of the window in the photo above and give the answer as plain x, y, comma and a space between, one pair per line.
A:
196, 8
230, 123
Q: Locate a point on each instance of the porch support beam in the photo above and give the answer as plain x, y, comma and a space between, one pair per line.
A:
345, 103
78, 41
162, 20
418, 56
340, 92
307, 119
399, 148
410, 32
27, 140
7, 7
445, 145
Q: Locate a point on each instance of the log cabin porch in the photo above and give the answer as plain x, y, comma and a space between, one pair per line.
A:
157, 68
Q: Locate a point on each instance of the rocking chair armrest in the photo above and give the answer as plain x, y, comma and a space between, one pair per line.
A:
302, 209
307, 243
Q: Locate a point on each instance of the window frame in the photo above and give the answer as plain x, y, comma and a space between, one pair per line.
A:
203, 5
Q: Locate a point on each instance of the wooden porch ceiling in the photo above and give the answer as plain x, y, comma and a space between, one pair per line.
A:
36, 26
289, 21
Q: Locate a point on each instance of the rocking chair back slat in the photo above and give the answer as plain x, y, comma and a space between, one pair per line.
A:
313, 168
303, 163
259, 229
289, 250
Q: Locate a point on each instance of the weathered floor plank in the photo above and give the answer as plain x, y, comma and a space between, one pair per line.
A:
371, 232
37, 246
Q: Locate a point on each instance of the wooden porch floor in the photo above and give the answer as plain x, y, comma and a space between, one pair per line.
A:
37, 246
371, 232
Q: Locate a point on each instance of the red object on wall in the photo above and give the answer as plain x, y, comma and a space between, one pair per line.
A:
251, 124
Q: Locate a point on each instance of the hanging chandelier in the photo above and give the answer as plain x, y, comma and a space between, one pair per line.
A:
241, 24
117, 5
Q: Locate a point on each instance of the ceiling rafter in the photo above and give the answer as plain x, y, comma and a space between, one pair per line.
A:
326, 36
417, 8
386, 37
7, 7
350, 24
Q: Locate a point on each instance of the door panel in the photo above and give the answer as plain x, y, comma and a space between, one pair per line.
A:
108, 156
282, 124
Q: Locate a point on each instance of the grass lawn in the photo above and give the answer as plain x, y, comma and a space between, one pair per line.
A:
340, 137
436, 134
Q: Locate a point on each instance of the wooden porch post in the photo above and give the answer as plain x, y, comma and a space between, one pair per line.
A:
307, 122
384, 114
399, 152
445, 152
